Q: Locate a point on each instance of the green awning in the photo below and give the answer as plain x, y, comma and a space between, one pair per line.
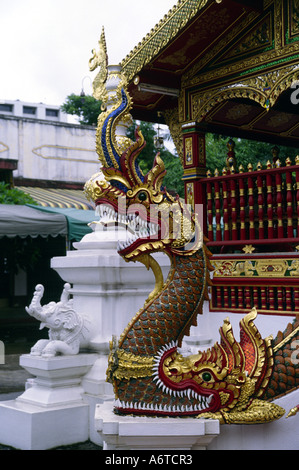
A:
77, 220
22, 221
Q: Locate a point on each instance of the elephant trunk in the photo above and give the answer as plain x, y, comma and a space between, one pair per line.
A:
35, 307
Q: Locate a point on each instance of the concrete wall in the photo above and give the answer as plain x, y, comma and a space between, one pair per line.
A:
48, 149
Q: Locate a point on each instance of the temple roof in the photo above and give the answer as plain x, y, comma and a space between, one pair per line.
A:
205, 57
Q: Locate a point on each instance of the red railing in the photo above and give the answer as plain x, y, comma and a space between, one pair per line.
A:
258, 207
268, 282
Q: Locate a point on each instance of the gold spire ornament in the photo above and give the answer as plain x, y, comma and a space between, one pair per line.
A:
100, 59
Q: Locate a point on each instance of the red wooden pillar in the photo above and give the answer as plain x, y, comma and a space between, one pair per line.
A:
289, 198
242, 208
194, 169
260, 206
251, 208
270, 206
278, 181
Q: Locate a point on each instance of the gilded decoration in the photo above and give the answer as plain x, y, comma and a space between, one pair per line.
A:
257, 39
99, 60
160, 35
269, 56
262, 268
236, 380
189, 151
263, 88
173, 122
293, 11
190, 194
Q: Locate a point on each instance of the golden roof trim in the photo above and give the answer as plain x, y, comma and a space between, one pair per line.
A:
159, 36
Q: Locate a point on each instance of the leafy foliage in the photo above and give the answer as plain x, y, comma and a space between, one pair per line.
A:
87, 108
247, 151
14, 195
173, 178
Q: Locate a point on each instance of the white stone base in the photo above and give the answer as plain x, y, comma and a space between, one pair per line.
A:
52, 411
141, 433
29, 427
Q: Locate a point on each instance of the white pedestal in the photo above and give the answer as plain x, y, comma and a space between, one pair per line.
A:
141, 433
52, 410
109, 291
105, 287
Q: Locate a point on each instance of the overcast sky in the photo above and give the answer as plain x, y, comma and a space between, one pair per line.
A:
46, 44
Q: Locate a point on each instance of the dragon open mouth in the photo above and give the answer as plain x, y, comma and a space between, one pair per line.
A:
202, 405
137, 229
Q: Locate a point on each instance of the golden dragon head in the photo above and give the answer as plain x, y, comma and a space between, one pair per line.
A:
226, 377
154, 219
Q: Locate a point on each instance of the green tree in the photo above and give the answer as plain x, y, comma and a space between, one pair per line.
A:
10, 195
173, 179
86, 107
246, 151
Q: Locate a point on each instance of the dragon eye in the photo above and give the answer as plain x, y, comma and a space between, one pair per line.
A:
206, 376
142, 196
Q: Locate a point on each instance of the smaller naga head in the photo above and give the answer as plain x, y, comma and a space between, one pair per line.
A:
223, 378
155, 220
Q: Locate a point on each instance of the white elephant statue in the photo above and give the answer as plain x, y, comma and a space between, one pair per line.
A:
68, 331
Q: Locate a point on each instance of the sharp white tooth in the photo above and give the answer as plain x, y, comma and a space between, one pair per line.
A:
188, 393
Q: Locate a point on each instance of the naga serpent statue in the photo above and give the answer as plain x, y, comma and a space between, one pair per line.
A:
234, 382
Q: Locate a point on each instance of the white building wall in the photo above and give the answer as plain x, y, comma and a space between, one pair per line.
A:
48, 149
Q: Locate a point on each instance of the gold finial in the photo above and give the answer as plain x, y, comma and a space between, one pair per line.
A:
293, 411
269, 165
216, 172
224, 171
209, 173
259, 166
288, 161
100, 59
275, 153
249, 166
297, 160
232, 170
278, 163
241, 169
